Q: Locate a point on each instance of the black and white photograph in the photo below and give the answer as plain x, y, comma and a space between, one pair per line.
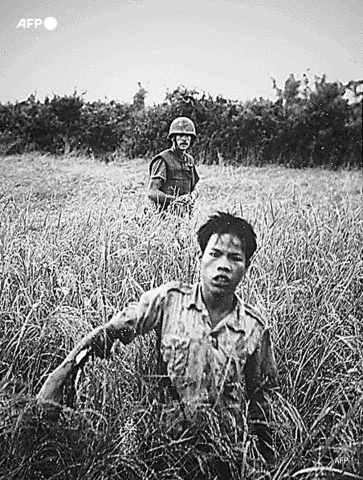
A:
181, 240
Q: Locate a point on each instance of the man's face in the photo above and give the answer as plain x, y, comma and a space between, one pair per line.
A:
183, 141
222, 265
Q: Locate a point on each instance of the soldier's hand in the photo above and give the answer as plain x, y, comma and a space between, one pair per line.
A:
185, 199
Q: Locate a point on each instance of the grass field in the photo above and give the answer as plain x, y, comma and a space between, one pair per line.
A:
77, 241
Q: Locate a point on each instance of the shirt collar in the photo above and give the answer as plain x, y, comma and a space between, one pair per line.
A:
196, 300
181, 156
232, 321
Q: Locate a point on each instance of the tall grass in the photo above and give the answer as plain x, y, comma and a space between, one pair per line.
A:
70, 258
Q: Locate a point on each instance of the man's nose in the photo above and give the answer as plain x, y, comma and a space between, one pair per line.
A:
223, 263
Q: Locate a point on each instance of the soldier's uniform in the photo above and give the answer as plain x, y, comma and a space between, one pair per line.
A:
179, 175
176, 169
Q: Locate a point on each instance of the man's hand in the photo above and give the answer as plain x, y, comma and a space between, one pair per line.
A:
182, 198
186, 199
97, 343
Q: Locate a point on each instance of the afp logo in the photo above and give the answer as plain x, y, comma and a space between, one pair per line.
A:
49, 23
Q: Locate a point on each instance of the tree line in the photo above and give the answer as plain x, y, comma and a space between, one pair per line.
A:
304, 126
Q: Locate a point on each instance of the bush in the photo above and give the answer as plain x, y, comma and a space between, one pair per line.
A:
303, 127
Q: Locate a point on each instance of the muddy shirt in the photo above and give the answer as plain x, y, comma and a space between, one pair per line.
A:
207, 365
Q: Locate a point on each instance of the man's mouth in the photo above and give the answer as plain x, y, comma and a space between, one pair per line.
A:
221, 280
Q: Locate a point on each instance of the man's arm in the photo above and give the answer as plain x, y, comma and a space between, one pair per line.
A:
158, 175
136, 319
194, 194
261, 375
156, 195
97, 343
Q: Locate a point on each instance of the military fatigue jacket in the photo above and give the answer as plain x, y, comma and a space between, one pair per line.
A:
207, 365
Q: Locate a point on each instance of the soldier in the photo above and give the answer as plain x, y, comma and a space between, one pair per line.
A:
214, 350
173, 176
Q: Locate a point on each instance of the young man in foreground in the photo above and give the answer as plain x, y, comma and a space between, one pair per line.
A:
211, 344
173, 176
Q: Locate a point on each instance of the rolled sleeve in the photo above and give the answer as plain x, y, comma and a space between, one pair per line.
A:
158, 169
150, 310
138, 318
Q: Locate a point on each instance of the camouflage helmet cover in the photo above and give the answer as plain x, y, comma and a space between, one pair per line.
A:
182, 125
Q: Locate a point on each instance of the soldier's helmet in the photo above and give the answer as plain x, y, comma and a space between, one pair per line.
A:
182, 126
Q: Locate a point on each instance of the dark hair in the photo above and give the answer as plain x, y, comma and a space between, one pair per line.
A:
228, 223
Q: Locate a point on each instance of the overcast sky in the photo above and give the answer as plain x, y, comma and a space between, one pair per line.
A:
226, 47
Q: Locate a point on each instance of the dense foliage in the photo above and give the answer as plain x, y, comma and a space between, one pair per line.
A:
302, 127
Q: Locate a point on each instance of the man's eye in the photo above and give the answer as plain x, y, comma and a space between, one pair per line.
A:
215, 254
